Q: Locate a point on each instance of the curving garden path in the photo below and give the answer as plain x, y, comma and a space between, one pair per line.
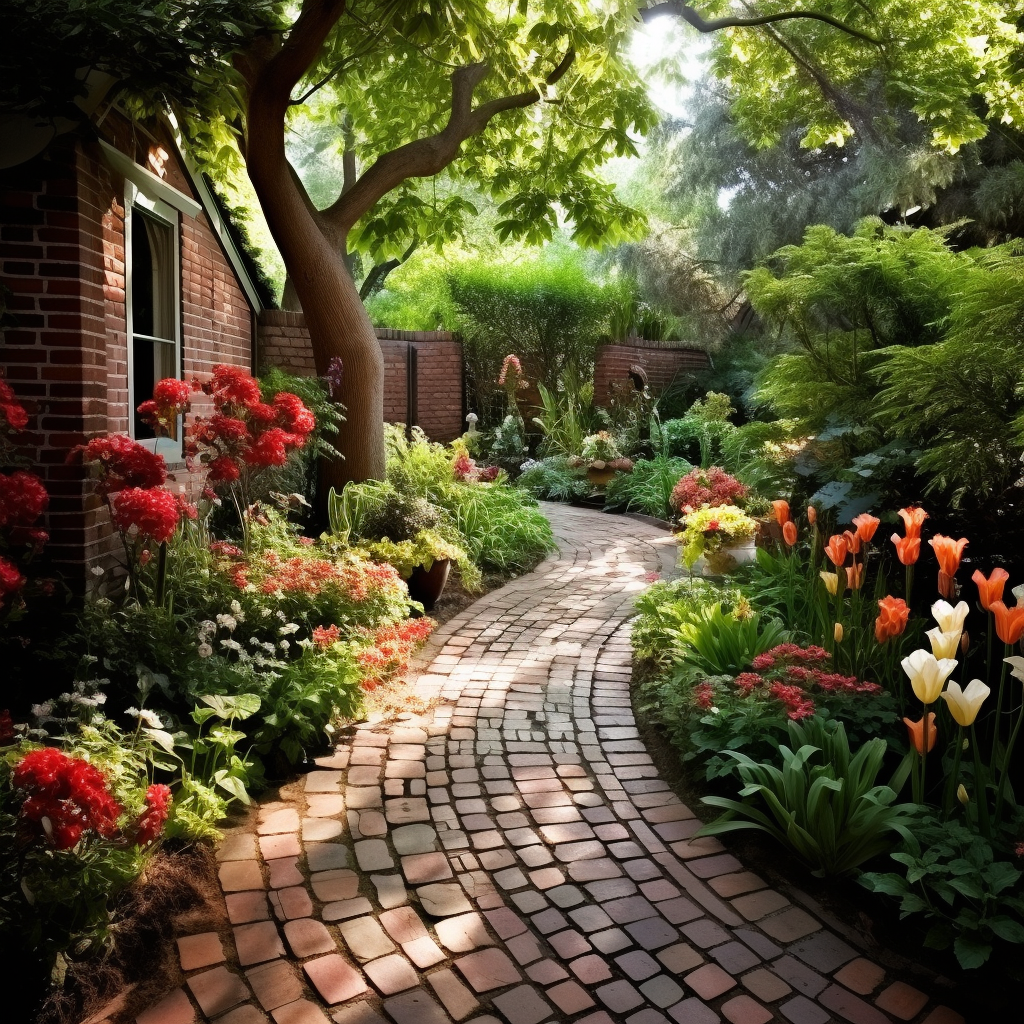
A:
512, 857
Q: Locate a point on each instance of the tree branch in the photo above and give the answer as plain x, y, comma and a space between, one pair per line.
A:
375, 278
428, 156
692, 18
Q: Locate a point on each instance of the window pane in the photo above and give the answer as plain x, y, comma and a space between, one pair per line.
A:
151, 361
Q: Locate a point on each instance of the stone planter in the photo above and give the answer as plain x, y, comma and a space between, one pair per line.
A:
427, 585
727, 558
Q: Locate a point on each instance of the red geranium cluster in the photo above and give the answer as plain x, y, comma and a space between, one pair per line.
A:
712, 486
12, 413
389, 649
11, 579
67, 797
244, 432
121, 463
326, 636
148, 512
23, 498
151, 822
171, 398
468, 471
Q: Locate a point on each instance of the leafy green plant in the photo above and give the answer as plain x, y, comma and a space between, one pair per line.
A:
566, 417
720, 642
554, 479
953, 878
824, 804
665, 607
648, 488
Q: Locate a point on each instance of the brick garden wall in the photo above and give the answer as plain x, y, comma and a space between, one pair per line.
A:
283, 341
63, 348
663, 361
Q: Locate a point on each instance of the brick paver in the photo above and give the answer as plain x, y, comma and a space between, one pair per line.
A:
511, 856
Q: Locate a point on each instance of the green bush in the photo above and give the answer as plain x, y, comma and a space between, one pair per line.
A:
648, 488
554, 479
825, 804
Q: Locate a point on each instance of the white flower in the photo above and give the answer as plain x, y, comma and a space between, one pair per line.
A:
42, 710
714, 710
305, 643
950, 619
944, 645
1018, 592
928, 674
229, 622
284, 645
97, 570
146, 716
236, 610
265, 611
205, 650
281, 615
232, 645
288, 629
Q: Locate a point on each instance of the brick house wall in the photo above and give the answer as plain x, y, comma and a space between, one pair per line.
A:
283, 341
63, 347
663, 362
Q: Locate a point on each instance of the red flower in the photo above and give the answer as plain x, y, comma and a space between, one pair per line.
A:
269, 449
11, 580
66, 797
23, 498
797, 704
232, 386
1009, 622
151, 821
292, 413
812, 514
226, 550
712, 486
948, 552
223, 470
789, 534
122, 463
171, 399
703, 696
781, 511
11, 410
152, 513
915, 732
326, 636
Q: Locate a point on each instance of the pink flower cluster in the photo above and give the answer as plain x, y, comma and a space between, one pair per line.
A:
791, 675
359, 581
244, 432
511, 373
700, 487
468, 471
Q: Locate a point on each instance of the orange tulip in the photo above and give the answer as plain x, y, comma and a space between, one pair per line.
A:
781, 511
948, 552
789, 532
990, 589
908, 549
866, 525
892, 618
836, 549
913, 518
812, 514
1009, 622
855, 575
852, 542
915, 730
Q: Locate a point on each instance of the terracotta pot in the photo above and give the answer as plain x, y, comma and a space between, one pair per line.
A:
727, 558
601, 477
427, 585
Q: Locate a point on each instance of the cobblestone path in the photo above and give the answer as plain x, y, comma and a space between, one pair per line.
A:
512, 857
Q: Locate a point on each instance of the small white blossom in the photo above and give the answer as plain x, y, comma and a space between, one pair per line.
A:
232, 645
146, 716
229, 622
305, 643
281, 615
96, 570
714, 710
205, 650
284, 645
42, 710
268, 647
288, 629
236, 610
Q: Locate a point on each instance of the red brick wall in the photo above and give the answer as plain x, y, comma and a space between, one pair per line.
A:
63, 348
663, 361
283, 341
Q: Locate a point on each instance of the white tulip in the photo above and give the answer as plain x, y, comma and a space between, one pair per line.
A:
964, 705
928, 674
944, 645
950, 619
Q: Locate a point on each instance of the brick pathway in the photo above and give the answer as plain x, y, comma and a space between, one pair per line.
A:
513, 857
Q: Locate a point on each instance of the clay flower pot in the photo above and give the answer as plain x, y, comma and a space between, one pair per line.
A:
427, 585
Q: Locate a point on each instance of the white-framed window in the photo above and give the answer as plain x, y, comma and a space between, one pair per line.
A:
152, 255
